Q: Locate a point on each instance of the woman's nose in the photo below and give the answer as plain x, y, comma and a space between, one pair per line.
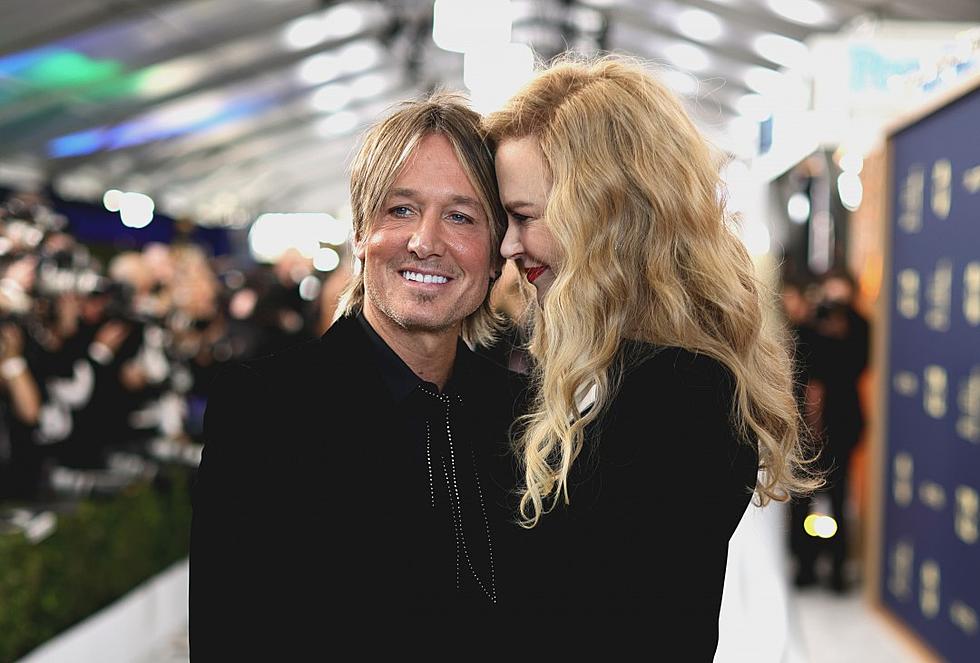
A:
511, 246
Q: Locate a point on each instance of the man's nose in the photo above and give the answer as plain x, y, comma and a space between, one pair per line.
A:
427, 239
511, 247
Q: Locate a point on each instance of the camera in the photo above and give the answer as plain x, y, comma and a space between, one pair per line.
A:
827, 309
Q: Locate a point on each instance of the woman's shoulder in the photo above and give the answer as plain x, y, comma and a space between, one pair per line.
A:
646, 364
681, 396
673, 388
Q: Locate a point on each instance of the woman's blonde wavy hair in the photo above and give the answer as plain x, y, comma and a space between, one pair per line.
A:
646, 253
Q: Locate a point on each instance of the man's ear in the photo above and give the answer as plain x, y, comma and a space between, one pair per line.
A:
358, 247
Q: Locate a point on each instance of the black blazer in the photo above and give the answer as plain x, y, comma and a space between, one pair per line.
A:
638, 557
305, 533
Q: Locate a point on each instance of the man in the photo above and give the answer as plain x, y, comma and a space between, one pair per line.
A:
832, 350
356, 485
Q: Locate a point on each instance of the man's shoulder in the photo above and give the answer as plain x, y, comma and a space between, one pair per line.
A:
338, 348
491, 376
287, 361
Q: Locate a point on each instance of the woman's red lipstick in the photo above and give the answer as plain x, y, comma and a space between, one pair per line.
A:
533, 273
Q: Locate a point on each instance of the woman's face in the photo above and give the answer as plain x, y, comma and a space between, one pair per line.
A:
525, 184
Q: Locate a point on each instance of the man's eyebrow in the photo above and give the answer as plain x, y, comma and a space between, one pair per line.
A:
466, 200
403, 192
457, 199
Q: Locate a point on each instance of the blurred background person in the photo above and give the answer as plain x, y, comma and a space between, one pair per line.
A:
832, 347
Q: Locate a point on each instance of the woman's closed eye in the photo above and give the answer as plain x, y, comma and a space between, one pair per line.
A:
518, 218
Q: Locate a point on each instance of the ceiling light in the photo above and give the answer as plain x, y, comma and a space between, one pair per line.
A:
494, 74
336, 23
850, 190
337, 124
681, 83
699, 24
309, 287
112, 199
807, 12
462, 25
332, 97
359, 56
782, 50
326, 259
343, 21
764, 80
369, 85
273, 234
851, 162
756, 238
688, 56
305, 32
136, 209
798, 207
319, 68
754, 106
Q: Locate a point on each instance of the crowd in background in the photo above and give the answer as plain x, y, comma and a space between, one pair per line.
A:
114, 351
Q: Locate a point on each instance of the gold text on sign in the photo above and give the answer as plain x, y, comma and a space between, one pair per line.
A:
967, 523
971, 179
908, 293
971, 294
934, 380
932, 495
902, 467
929, 579
910, 218
939, 295
968, 423
906, 383
964, 617
900, 579
942, 186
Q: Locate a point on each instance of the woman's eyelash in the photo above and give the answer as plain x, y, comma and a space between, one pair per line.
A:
519, 218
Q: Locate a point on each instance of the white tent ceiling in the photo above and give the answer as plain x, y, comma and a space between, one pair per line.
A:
207, 106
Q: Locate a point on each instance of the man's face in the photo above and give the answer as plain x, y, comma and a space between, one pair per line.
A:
426, 257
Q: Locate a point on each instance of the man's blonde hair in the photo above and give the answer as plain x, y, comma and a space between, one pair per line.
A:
387, 147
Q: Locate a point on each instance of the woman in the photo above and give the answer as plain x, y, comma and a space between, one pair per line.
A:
659, 395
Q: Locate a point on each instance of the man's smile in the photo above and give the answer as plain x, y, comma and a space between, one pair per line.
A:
424, 278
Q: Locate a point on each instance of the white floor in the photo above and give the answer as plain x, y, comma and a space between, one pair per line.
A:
844, 629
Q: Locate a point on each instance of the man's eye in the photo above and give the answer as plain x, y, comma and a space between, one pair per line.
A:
456, 217
400, 210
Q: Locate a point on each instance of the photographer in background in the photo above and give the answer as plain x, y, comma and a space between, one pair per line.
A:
837, 354
21, 461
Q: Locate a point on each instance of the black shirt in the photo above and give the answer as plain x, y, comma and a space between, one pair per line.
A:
316, 519
436, 428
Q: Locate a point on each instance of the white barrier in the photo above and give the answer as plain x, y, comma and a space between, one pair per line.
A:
128, 629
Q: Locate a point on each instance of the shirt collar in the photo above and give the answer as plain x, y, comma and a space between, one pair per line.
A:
396, 374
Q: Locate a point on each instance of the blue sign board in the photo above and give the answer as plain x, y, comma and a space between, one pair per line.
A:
930, 550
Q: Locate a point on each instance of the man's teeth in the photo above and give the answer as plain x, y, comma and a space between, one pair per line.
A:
424, 278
